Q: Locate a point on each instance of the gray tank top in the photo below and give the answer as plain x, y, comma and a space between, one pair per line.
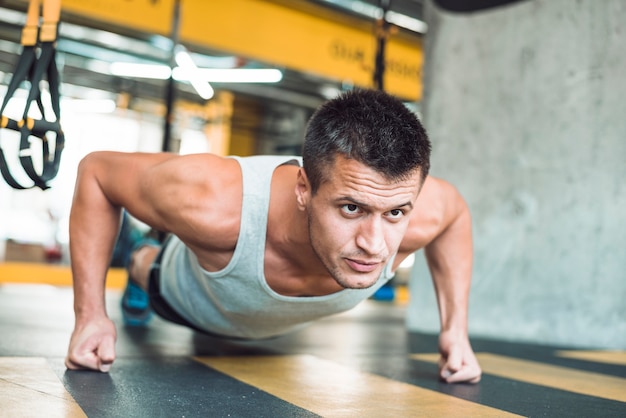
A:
237, 301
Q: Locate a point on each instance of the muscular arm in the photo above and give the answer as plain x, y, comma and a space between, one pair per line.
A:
105, 184
159, 189
449, 257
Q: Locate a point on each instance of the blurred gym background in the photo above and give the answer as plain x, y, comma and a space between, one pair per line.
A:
524, 102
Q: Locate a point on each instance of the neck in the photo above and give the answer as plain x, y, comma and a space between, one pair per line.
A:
291, 266
290, 237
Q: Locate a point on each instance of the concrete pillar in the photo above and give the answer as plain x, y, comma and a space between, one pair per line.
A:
526, 108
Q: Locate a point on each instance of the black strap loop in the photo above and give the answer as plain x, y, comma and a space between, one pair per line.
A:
33, 69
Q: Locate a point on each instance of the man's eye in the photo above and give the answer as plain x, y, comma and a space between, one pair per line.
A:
395, 213
350, 209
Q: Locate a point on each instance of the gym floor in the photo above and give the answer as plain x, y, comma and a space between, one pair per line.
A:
359, 364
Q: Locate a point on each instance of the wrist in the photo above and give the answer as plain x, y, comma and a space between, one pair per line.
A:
88, 313
454, 325
454, 334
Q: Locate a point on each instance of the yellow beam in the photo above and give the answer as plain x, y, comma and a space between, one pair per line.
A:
142, 15
331, 390
292, 34
14, 272
557, 377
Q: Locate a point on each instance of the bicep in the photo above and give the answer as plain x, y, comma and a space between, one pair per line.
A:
152, 187
439, 218
119, 177
452, 245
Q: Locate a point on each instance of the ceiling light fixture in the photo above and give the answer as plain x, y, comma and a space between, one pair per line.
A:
211, 75
184, 60
236, 75
135, 70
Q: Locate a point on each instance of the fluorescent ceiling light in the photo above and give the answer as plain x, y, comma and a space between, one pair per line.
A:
236, 75
134, 70
183, 59
211, 75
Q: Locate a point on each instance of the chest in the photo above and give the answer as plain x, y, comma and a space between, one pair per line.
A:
294, 276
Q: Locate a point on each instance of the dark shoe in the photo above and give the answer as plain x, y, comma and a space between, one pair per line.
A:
136, 309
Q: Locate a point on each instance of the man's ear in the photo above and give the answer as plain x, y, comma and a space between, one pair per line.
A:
303, 189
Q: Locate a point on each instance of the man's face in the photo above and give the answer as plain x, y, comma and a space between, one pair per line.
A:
357, 220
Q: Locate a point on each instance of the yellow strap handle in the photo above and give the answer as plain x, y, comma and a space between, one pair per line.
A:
51, 15
29, 33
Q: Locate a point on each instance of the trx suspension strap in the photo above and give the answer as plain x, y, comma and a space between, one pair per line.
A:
382, 33
37, 60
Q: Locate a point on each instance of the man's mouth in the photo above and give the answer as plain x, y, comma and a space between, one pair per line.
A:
362, 266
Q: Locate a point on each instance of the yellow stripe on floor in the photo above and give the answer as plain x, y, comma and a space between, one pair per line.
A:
331, 390
28, 387
586, 383
597, 356
52, 274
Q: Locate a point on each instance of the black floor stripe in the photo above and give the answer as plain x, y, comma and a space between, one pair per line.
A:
505, 394
169, 387
526, 399
427, 343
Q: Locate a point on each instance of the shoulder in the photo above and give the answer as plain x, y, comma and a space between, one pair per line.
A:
200, 197
196, 197
145, 170
197, 168
441, 191
437, 205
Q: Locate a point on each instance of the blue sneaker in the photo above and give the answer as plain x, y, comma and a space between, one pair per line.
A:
136, 309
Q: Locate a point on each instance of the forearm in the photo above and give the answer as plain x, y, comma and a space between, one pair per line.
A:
450, 262
449, 258
453, 307
94, 223
453, 301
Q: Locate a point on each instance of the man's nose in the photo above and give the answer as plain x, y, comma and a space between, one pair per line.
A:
370, 237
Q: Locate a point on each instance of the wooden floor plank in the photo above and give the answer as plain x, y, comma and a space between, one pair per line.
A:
577, 381
597, 356
331, 390
29, 388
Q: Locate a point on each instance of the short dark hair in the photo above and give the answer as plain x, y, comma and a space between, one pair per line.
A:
371, 127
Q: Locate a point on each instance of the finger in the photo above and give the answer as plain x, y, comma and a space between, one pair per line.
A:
442, 364
450, 365
84, 360
70, 364
454, 361
467, 374
106, 354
